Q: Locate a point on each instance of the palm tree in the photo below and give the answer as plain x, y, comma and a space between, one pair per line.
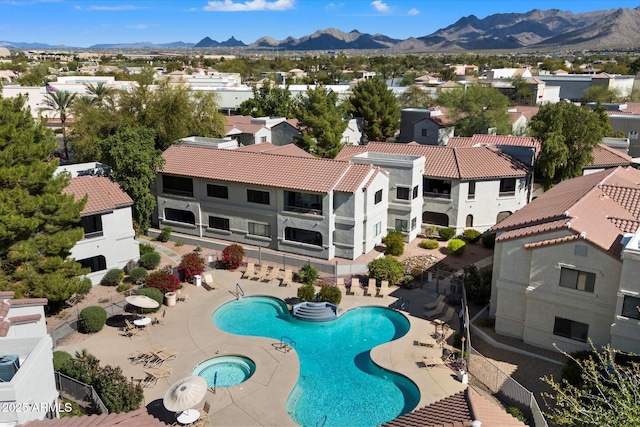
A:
100, 91
60, 102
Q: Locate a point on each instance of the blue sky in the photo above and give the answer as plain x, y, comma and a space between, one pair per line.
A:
83, 23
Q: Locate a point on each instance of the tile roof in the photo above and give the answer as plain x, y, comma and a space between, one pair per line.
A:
599, 207
447, 162
458, 410
285, 150
5, 306
103, 195
137, 418
605, 156
479, 140
263, 169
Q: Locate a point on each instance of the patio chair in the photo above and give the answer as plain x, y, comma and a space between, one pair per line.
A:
448, 315
435, 312
268, 275
426, 342
249, 271
140, 357
384, 289
287, 278
131, 329
208, 280
433, 304
204, 413
372, 288
261, 273
355, 286
432, 362
152, 376
340, 285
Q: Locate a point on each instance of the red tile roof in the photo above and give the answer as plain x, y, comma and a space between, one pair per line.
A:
605, 156
139, 417
458, 410
446, 162
263, 169
479, 140
285, 150
7, 302
600, 207
103, 195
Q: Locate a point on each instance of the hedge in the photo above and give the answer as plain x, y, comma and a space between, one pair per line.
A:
446, 233
470, 235
386, 268
138, 275
113, 277
456, 247
306, 292
60, 359
330, 294
429, 244
92, 319
149, 260
394, 243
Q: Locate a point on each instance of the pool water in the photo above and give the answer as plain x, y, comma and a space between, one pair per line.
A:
225, 371
338, 380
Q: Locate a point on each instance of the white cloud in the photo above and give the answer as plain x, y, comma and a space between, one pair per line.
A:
413, 11
249, 5
118, 8
380, 6
138, 26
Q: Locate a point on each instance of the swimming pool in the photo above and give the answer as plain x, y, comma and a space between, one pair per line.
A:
225, 371
338, 380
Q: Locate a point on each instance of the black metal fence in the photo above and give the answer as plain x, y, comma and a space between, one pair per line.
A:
79, 392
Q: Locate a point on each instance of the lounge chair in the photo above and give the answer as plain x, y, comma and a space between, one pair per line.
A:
448, 315
152, 376
268, 275
208, 280
249, 271
431, 362
340, 285
204, 414
433, 304
131, 329
355, 286
372, 288
384, 289
435, 312
261, 273
426, 342
287, 278
140, 357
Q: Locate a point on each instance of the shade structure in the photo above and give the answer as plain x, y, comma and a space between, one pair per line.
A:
185, 394
142, 301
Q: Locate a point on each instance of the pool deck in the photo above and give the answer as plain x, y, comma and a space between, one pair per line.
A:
261, 400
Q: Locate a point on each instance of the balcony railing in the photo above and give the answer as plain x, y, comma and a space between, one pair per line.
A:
506, 193
436, 195
93, 234
303, 210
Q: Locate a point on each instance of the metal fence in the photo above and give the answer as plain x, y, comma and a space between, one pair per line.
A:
79, 392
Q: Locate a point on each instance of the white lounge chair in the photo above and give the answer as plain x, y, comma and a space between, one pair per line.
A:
433, 304
435, 312
250, 271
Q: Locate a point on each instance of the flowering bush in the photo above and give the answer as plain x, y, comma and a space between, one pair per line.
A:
459, 365
190, 265
232, 256
163, 281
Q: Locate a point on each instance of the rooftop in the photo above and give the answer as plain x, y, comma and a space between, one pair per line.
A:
103, 195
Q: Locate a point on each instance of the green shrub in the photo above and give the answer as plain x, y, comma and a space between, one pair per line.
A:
123, 287
163, 281
113, 277
232, 256
394, 241
138, 275
191, 264
150, 260
306, 292
92, 319
517, 413
429, 244
85, 286
60, 359
386, 268
489, 240
470, 235
198, 249
446, 233
165, 234
178, 244
456, 247
308, 274
154, 294
145, 249
477, 284
330, 294
71, 409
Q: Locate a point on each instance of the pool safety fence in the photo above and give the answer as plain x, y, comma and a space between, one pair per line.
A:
79, 392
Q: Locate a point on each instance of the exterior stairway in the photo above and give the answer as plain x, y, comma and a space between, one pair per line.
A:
315, 311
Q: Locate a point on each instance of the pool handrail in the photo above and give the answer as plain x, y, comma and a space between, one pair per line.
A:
239, 291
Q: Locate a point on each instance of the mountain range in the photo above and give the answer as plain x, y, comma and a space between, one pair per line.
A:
536, 29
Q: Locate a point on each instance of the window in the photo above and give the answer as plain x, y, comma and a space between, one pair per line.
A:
92, 225
630, 307
219, 191
303, 202
403, 193
502, 215
579, 280
472, 190
263, 139
377, 229
402, 225
303, 236
96, 263
633, 134
218, 223
571, 329
436, 188
469, 221
508, 187
414, 223
415, 192
255, 196
259, 229
178, 215
425, 132
378, 197
177, 185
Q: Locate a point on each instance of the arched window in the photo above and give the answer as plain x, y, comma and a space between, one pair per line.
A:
502, 215
469, 221
435, 218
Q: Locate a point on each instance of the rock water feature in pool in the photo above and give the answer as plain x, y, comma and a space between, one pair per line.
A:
225, 371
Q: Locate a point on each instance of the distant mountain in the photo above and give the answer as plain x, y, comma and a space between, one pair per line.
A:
22, 45
208, 42
140, 45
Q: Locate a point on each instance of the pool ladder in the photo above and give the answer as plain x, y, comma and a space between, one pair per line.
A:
321, 422
239, 291
287, 343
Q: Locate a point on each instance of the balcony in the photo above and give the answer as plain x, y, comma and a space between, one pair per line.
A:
311, 210
436, 195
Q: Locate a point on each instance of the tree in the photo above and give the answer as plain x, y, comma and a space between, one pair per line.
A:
60, 102
320, 119
607, 395
386, 268
132, 155
38, 223
269, 101
476, 109
376, 104
568, 134
416, 97
101, 93
522, 92
600, 94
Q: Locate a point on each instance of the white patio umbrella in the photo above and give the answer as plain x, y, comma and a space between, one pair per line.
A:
142, 301
185, 394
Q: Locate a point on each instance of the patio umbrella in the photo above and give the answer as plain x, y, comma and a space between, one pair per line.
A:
142, 301
185, 394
